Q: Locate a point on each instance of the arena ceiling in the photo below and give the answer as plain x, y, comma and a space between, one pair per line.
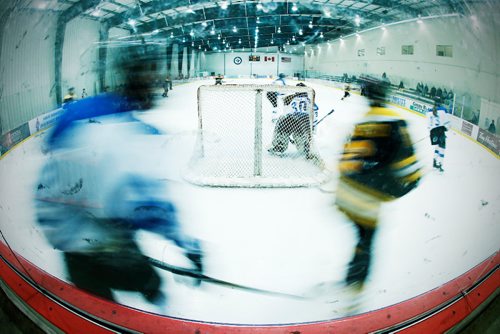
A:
236, 24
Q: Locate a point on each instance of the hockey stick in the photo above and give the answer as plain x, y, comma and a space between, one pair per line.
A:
322, 118
197, 275
418, 141
316, 123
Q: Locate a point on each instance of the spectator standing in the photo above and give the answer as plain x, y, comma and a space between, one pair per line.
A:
492, 128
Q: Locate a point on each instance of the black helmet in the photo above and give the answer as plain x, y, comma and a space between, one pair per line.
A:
375, 89
301, 84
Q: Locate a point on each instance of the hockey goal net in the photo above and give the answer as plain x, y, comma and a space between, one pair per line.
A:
245, 138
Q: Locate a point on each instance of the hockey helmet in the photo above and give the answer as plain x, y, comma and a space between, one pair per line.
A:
374, 89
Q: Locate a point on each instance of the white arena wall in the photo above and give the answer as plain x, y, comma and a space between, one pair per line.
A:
473, 67
228, 64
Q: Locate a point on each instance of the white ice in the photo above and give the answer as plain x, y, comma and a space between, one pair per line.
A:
289, 240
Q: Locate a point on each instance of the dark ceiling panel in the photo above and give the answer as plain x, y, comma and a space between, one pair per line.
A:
333, 18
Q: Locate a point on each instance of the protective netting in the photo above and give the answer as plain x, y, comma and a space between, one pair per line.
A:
255, 136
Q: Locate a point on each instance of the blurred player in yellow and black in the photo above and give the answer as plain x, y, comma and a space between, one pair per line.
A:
378, 165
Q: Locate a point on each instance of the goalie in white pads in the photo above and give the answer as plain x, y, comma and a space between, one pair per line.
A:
295, 123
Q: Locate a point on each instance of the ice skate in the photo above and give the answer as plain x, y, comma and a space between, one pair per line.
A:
275, 151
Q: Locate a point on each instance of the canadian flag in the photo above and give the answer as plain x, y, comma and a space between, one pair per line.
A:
266, 58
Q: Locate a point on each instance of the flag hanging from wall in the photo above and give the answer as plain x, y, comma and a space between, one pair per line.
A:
266, 58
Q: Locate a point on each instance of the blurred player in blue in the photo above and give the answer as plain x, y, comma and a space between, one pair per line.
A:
274, 97
100, 186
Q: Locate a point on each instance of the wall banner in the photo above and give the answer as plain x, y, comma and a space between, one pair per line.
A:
13, 137
419, 107
237, 60
489, 140
467, 128
44, 121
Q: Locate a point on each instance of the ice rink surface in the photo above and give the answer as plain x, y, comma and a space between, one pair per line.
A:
290, 241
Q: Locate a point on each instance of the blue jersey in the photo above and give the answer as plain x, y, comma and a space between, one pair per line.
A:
280, 82
111, 105
104, 168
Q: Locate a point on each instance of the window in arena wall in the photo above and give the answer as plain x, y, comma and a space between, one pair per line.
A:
444, 50
406, 49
